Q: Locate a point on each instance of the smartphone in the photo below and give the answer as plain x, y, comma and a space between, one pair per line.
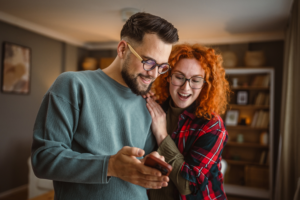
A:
154, 162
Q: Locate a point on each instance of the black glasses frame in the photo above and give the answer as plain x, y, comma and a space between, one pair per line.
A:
144, 61
187, 79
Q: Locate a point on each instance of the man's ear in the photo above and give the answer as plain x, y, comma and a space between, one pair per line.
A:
121, 50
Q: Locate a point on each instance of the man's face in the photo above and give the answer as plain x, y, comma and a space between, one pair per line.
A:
133, 73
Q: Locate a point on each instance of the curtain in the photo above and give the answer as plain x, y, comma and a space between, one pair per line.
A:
289, 161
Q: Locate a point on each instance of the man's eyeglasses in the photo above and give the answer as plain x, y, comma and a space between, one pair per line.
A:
196, 82
150, 64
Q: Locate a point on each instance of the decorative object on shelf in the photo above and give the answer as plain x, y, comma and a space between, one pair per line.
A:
255, 58
243, 122
240, 138
235, 82
232, 117
16, 65
242, 97
264, 138
245, 84
89, 64
229, 59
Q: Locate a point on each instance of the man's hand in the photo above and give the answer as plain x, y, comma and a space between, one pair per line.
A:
127, 167
156, 154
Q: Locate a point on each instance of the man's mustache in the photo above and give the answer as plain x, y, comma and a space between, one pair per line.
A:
147, 77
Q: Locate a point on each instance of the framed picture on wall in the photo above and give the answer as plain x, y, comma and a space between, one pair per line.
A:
16, 64
232, 117
242, 97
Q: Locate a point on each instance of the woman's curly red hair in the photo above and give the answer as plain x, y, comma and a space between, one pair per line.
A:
214, 95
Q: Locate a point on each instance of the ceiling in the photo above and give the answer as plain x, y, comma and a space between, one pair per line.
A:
98, 22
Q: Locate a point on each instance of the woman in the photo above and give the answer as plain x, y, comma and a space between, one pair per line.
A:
188, 129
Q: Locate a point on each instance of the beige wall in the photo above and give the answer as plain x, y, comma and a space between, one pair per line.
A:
17, 112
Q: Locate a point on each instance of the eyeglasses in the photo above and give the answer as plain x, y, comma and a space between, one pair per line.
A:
196, 82
150, 64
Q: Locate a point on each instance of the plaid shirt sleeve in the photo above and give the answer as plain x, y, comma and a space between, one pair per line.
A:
202, 145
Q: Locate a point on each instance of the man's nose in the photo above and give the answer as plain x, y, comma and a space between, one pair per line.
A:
153, 73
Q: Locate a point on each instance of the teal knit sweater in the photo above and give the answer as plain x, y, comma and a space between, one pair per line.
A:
84, 118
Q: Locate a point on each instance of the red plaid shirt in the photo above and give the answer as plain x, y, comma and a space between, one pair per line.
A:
201, 142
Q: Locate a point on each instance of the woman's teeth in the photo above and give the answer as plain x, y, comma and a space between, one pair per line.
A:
184, 95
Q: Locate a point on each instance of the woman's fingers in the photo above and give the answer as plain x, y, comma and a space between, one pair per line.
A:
151, 111
155, 106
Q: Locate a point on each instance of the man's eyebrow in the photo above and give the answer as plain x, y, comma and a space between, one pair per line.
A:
148, 58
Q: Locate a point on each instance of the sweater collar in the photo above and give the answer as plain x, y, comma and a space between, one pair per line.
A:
189, 111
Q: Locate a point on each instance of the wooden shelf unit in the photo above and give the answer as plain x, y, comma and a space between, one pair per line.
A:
249, 145
245, 128
237, 185
239, 162
249, 88
235, 106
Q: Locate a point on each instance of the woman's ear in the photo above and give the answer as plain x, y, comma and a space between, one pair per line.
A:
168, 79
121, 50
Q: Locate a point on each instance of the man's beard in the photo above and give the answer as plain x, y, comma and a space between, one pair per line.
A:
132, 81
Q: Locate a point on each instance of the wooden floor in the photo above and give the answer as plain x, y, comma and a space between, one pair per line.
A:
50, 196
47, 196
20, 195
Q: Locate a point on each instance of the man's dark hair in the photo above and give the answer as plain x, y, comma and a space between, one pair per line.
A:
140, 23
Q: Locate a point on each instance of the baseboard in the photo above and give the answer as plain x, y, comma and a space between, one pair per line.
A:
13, 191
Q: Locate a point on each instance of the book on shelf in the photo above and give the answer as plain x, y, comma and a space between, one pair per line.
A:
267, 100
260, 119
265, 122
261, 81
254, 119
266, 81
267, 162
262, 159
262, 99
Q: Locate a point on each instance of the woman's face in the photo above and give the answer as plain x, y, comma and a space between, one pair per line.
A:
183, 96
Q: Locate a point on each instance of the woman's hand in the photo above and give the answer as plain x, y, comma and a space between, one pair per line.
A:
150, 94
159, 121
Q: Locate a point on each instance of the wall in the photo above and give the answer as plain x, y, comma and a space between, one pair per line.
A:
17, 112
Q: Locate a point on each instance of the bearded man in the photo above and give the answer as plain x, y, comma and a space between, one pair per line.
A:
92, 131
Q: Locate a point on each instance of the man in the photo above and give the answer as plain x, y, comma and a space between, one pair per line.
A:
93, 127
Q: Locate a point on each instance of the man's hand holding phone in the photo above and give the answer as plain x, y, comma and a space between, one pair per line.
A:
127, 167
158, 163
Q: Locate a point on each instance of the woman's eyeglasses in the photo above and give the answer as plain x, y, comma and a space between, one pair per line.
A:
196, 82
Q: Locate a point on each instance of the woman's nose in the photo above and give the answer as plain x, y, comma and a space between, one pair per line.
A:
186, 85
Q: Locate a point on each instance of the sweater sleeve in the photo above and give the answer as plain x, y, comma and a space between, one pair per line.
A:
52, 156
173, 156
